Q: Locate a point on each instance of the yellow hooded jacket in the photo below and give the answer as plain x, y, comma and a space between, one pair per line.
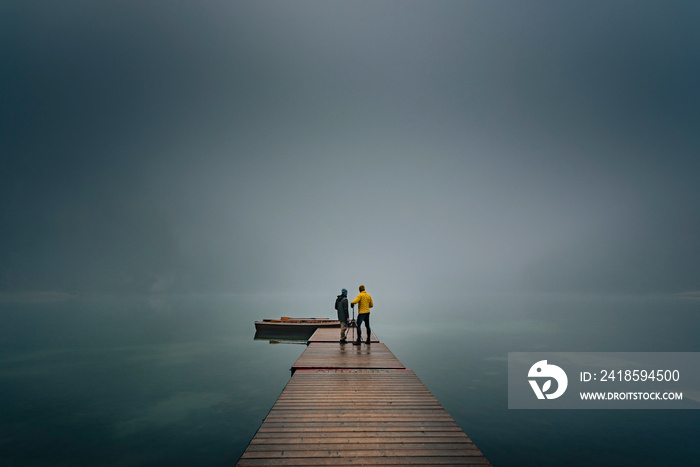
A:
365, 301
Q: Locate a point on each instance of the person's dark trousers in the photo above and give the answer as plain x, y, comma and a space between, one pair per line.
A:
360, 318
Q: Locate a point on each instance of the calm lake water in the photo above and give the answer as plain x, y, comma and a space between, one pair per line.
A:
181, 381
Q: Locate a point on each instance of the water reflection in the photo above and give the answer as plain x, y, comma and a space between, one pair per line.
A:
261, 336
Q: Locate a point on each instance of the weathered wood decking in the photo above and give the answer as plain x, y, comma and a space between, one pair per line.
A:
358, 405
348, 356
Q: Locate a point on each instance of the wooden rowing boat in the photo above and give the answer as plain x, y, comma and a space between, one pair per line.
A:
293, 327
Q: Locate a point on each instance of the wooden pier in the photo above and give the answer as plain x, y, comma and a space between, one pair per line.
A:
357, 405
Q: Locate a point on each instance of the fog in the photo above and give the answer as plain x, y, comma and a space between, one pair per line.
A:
414, 147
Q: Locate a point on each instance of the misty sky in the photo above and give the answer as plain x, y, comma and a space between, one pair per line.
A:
415, 147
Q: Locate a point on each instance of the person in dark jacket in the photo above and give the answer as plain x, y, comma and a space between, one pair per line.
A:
341, 306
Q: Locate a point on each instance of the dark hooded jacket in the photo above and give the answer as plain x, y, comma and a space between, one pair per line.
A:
341, 306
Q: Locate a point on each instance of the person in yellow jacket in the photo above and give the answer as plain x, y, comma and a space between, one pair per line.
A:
364, 301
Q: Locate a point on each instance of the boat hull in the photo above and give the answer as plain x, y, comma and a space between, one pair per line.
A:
291, 328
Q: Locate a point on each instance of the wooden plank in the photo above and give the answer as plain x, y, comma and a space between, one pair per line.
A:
345, 451
359, 416
348, 356
438, 437
349, 431
333, 335
358, 427
402, 460
256, 450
